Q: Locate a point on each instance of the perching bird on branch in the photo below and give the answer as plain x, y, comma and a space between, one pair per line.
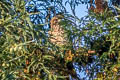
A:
57, 33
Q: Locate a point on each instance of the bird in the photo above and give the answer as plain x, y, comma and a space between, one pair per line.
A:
57, 33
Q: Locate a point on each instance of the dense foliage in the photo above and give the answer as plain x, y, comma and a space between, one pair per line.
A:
27, 53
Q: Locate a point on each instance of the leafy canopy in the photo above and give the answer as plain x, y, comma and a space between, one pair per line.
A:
26, 51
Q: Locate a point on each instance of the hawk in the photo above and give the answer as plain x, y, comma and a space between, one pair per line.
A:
57, 33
